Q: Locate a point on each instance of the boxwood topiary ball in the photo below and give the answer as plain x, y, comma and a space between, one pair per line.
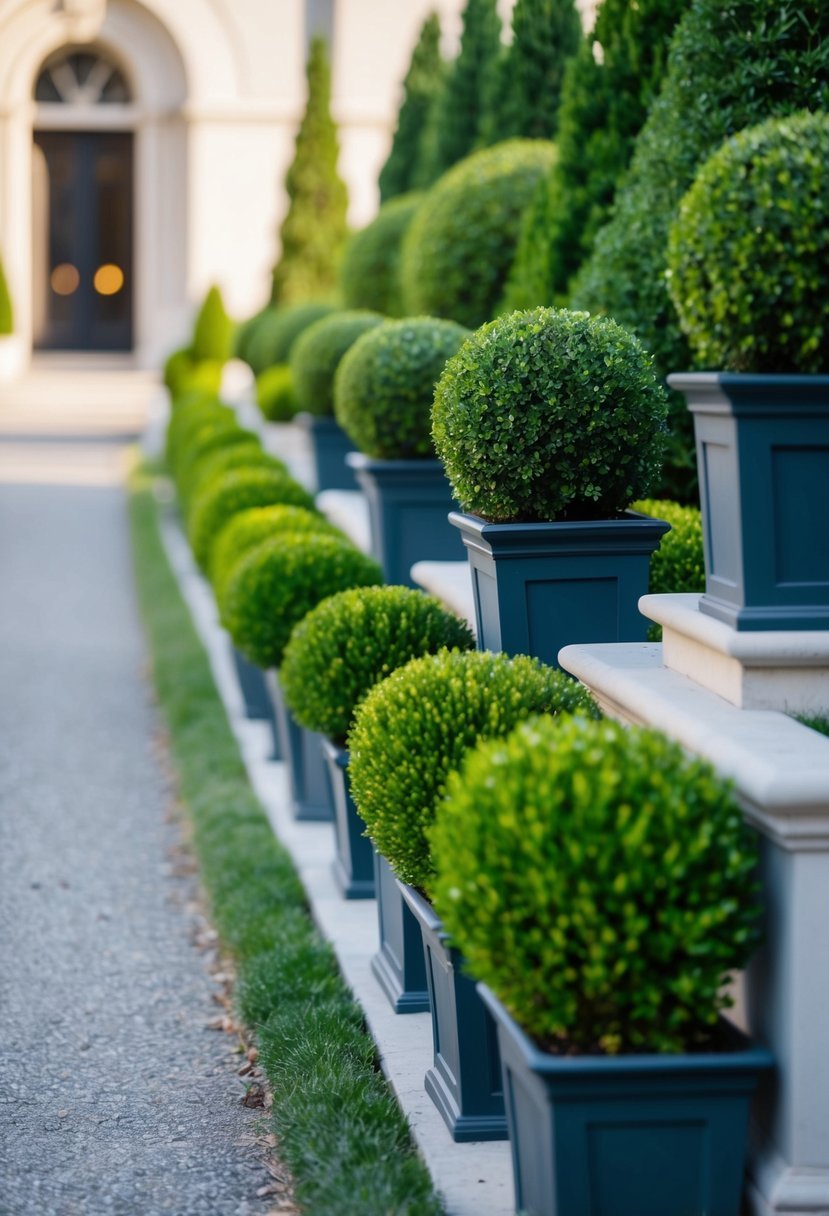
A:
748, 254
415, 727
350, 642
278, 582
248, 529
187, 416
678, 565
460, 245
370, 268
242, 455
600, 881
276, 330
275, 393
316, 355
384, 386
237, 490
549, 415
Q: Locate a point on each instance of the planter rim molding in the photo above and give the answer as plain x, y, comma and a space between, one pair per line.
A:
310, 420
573, 1071
576, 536
744, 394
405, 464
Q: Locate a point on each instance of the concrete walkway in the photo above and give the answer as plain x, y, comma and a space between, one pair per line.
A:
115, 1097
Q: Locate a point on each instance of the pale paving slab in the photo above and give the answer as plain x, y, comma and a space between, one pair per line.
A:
475, 1179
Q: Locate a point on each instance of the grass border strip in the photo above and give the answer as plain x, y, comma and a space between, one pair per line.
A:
340, 1128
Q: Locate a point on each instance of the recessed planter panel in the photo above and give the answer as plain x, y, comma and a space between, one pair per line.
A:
398, 965
354, 863
329, 447
302, 752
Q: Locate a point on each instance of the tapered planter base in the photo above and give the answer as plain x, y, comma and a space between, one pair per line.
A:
353, 866
256, 698
398, 965
644, 1135
464, 1081
302, 752
329, 446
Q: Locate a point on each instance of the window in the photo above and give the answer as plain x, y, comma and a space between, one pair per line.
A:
81, 77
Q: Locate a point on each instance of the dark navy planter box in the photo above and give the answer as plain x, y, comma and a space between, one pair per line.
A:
329, 447
354, 863
464, 1081
643, 1135
398, 965
540, 586
302, 752
763, 460
409, 502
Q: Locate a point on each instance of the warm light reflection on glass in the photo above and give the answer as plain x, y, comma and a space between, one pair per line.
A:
108, 279
64, 279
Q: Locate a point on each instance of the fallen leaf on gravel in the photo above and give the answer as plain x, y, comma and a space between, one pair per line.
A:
253, 1054
254, 1096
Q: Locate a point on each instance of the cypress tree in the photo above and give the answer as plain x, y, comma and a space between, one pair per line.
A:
6, 310
314, 230
452, 129
423, 81
525, 100
608, 87
213, 330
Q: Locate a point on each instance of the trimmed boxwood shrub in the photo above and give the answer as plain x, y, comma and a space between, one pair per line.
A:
237, 490
275, 393
244, 333
549, 414
188, 416
6, 310
213, 437
248, 529
370, 269
384, 386
600, 881
414, 728
242, 455
277, 329
459, 247
350, 642
184, 374
678, 565
279, 581
316, 355
213, 329
748, 253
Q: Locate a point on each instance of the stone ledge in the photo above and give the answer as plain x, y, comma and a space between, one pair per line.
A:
348, 510
451, 583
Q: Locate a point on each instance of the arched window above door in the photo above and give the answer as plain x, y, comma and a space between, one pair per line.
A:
81, 77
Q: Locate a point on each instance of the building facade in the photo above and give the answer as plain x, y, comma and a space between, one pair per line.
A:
143, 146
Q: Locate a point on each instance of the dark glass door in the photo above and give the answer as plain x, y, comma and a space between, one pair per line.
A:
86, 300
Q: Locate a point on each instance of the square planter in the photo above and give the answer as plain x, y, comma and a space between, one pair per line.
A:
464, 1081
256, 698
398, 965
637, 1135
409, 503
329, 446
302, 752
540, 586
763, 461
354, 863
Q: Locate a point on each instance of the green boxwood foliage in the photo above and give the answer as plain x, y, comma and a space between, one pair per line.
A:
317, 353
188, 415
523, 100
278, 582
754, 296
314, 230
608, 86
460, 245
6, 310
414, 728
275, 393
233, 491
350, 642
601, 881
384, 386
731, 65
422, 83
248, 529
213, 437
244, 332
277, 329
549, 414
678, 565
370, 269
241, 455
183, 374
213, 330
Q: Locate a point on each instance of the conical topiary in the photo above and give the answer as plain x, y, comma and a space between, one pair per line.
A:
6, 310
423, 81
314, 230
213, 331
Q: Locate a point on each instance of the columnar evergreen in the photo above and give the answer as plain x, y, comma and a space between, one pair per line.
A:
607, 89
6, 310
423, 81
314, 230
455, 118
524, 98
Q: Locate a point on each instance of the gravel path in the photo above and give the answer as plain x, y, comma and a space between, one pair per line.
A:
114, 1096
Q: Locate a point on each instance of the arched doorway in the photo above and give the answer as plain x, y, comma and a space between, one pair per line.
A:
82, 194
